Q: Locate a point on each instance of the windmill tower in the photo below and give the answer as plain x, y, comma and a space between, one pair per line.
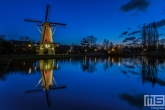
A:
47, 47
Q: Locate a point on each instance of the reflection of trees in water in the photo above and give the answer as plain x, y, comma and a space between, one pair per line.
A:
88, 64
161, 63
149, 70
21, 67
108, 62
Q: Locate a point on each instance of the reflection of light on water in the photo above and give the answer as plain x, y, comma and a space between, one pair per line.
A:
119, 62
24, 63
70, 59
85, 59
57, 65
108, 58
30, 70
112, 60
35, 68
95, 60
144, 59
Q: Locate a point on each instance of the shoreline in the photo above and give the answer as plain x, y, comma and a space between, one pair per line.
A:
9, 58
4, 58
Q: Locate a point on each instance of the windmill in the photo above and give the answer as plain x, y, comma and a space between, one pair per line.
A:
46, 43
47, 79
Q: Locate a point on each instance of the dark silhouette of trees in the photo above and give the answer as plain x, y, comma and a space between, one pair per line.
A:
84, 43
150, 36
162, 45
5, 45
62, 49
106, 44
88, 43
110, 45
91, 40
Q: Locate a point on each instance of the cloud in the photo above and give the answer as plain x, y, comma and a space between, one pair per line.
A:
128, 28
130, 38
134, 32
160, 23
139, 5
124, 41
125, 33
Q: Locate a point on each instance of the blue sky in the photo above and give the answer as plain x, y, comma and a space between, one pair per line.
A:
102, 18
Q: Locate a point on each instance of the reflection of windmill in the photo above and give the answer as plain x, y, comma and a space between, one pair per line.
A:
46, 43
48, 81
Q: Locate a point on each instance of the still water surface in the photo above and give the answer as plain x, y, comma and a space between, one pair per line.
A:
110, 83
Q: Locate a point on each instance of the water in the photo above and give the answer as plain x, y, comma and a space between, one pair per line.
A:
109, 83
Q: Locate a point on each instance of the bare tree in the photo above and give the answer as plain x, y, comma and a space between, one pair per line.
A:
106, 44
91, 40
110, 45
144, 37
150, 36
84, 43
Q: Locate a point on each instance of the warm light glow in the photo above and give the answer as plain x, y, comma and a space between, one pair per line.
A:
95, 60
112, 60
95, 49
29, 45
47, 45
85, 50
30, 70
85, 58
57, 65
109, 52
35, 68
47, 67
108, 58
113, 49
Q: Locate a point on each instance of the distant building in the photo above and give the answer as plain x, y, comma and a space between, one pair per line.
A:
27, 46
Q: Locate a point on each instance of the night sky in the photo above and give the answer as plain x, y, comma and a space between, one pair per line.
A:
114, 20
